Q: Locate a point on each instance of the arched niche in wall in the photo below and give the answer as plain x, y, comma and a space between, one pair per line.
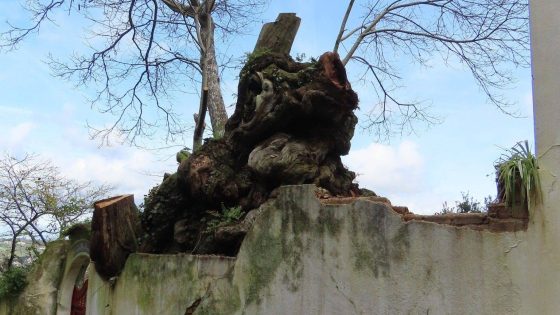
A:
75, 276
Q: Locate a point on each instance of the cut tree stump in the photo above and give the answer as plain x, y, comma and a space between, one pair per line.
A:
278, 36
114, 230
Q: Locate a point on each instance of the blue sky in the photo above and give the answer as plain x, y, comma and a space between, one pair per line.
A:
46, 115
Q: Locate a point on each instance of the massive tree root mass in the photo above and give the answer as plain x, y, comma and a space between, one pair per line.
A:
291, 124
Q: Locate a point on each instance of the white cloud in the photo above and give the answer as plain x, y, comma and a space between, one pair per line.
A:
388, 169
12, 110
398, 173
18, 133
131, 171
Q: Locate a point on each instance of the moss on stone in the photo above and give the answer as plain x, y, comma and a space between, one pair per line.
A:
374, 260
145, 269
328, 222
370, 246
265, 256
273, 245
228, 303
136, 268
400, 243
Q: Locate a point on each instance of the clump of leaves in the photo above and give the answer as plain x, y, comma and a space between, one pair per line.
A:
225, 217
182, 155
519, 166
13, 281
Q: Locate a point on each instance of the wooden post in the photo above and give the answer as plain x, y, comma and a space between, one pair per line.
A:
114, 229
279, 36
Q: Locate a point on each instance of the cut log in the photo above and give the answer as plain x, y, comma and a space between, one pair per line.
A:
114, 229
278, 36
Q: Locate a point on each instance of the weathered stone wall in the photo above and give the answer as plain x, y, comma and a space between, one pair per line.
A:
307, 257
40, 295
51, 279
164, 284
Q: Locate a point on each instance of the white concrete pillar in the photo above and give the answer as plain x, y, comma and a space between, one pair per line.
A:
544, 229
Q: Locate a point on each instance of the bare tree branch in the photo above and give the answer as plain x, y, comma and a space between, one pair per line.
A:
343, 26
140, 51
488, 37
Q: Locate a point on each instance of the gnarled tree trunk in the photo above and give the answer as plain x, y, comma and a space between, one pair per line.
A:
291, 124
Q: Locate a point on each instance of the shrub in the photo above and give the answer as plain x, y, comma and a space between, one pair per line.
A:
467, 205
13, 281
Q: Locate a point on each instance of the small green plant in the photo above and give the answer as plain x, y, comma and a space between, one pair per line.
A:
300, 57
13, 281
252, 56
225, 217
518, 169
467, 205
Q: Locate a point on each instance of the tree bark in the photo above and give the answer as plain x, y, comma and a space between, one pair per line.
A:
199, 118
12, 252
114, 230
279, 36
202, 14
216, 106
15, 235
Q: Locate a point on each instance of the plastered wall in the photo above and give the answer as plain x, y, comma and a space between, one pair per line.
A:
306, 257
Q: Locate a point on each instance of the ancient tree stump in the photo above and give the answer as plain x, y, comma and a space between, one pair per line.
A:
114, 229
292, 122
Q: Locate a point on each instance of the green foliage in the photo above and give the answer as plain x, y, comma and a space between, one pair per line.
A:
225, 217
182, 155
13, 281
518, 169
250, 57
467, 204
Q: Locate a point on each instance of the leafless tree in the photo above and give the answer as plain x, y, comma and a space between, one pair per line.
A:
487, 36
142, 50
37, 202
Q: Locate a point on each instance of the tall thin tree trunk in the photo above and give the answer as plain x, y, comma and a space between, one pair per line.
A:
216, 106
12, 251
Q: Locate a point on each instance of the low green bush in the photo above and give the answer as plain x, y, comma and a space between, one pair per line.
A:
13, 281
